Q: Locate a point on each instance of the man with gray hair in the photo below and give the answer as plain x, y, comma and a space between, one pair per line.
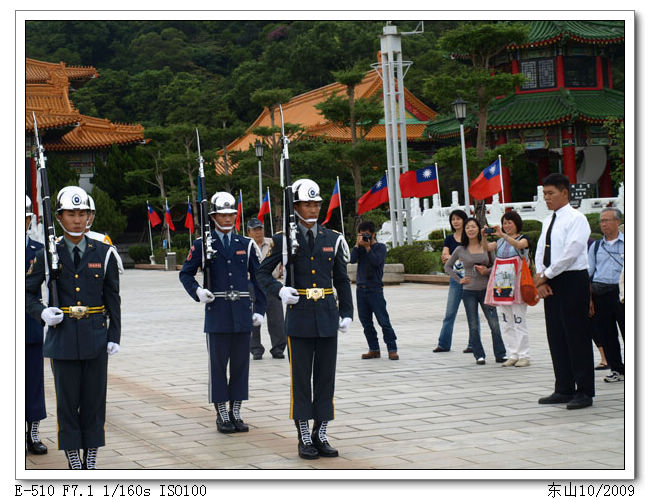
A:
606, 258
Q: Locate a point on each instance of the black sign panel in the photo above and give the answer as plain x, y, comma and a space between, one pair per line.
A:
580, 191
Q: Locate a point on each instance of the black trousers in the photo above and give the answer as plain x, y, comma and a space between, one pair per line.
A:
80, 387
312, 356
34, 385
608, 313
228, 351
567, 313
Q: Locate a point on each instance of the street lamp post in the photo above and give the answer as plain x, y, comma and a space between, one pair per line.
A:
460, 110
259, 152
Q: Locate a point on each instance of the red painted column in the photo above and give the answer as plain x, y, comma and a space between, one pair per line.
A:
559, 67
542, 169
569, 154
605, 182
599, 72
505, 171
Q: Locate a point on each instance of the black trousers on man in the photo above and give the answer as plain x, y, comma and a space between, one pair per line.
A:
608, 313
312, 356
567, 319
80, 387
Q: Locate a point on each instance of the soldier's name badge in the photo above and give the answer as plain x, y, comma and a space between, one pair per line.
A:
240, 252
95, 265
328, 249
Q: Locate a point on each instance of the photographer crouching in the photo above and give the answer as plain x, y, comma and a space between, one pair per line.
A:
370, 256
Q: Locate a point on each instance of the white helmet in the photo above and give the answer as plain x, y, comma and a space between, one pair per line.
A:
28, 207
91, 203
72, 198
223, 203
305, 190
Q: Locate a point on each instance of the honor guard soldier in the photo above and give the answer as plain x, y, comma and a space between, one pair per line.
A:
312, 317
229, 314
82, 332
34, 386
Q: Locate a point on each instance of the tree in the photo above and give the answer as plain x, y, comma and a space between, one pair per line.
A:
477, 43
108, 218
616, 131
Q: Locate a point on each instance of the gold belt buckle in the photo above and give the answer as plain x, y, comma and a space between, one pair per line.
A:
315, 293
78, 312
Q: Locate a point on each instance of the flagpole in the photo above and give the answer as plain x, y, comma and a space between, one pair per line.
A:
151, 257
444, 235
241, 200
188, 229
503, 198
268, 195
169, 235
338, 185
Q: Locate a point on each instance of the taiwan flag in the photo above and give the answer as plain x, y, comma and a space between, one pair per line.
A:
418, 183
335, 201
154, 219
189, 217
265, 208
168, 217
488, 182
239, 213
377, 195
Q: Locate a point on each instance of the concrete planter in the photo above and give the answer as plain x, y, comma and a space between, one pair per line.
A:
393, 273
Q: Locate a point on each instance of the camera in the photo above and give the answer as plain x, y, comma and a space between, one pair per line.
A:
366, 236
490, 230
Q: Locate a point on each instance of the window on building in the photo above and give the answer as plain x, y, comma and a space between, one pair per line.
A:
539, 72
580, 71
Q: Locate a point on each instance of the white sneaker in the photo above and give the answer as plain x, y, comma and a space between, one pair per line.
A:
614, 377
510, 362
523, 362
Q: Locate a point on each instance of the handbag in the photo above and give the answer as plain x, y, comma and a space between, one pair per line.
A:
501, 287
527, 286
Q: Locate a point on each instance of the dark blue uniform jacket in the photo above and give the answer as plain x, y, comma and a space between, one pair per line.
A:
33, 327
230, 271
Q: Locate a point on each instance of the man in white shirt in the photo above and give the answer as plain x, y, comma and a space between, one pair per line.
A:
563, 282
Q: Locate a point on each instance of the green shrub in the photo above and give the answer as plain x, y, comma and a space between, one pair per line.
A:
181, 254
417, 258
181, 240
594, 223
140, 253
533, 236
437, 234
438, 244
531, 225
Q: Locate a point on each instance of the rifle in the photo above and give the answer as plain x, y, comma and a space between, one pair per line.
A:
290, 238
52, 266
206, 235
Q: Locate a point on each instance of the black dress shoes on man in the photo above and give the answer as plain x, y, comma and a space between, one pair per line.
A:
240, 425
306, 448
34, 444
319, 438
580, 400
555, 398
225, 426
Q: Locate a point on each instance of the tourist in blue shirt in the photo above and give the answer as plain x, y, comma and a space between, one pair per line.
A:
370, 256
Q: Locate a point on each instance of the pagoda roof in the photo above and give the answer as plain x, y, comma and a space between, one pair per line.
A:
541, 109
593, 32
50, 101
301, 110
42, 72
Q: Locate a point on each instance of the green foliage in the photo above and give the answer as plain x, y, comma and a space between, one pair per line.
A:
59, 174
530, 225
594, 223
437, 235
140, 253
417, 258
616, 131
108, 219
160, 253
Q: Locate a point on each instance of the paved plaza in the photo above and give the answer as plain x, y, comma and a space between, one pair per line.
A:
425, 411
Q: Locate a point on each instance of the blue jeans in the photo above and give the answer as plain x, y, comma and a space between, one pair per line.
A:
471, 300
454, 296
369, 301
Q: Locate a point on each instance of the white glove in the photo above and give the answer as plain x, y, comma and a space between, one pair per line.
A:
289, 295
344, 323
112, 348
52, 316
205, 296
258, 319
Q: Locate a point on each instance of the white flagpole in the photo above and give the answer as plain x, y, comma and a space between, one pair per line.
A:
150, 237
503, 198
268, 195
444, 235
338, 185
242, 212
169, 235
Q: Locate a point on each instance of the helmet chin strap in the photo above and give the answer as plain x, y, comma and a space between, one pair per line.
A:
223, 229
308, 221
70, 232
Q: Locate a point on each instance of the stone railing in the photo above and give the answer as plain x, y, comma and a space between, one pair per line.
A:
437, 217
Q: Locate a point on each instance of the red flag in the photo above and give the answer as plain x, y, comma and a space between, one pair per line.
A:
418, 183
265, 208
153, 216
239, 213
377, 195
168, 217
189, 217
488, 182
335, 202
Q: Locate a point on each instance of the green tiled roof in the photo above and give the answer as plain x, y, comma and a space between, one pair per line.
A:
545, 32
539, 110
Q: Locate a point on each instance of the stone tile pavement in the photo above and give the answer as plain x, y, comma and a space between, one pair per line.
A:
425, 411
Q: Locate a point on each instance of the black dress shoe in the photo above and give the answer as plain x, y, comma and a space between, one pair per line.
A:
323, 447
278, 355
440, 349
555, 398
239, 424
501, 360
34, 444
257, 356
468, 350
225, 426
579, 401
307, 451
